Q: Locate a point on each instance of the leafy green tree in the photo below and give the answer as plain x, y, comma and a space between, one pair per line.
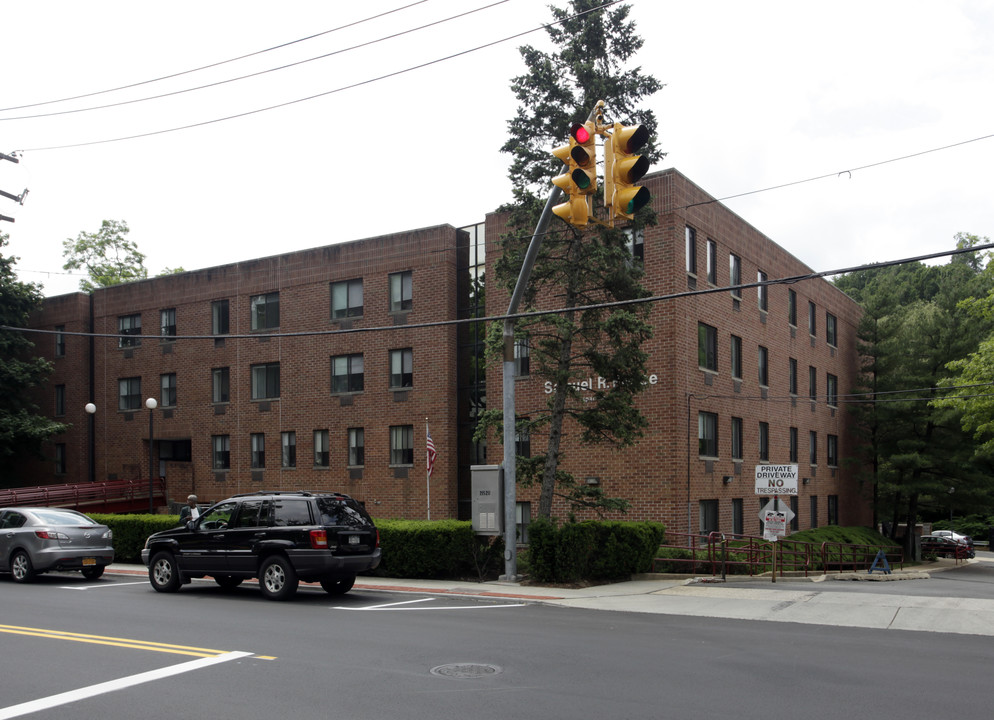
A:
107, 255
22, 429
575, 268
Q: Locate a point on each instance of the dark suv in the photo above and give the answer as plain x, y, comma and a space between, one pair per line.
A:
279, 537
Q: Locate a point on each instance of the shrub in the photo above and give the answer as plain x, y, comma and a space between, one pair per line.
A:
594, 550
131, 531
435, 549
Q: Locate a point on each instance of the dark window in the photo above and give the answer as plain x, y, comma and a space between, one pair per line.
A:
523, 438
793, 444
167, 322
707, 347
321, 448
764, 442
252, 513
796, 520
357, 446
60, 341
736, 438
691, 238
60, 458
346, 299
219, 317
220, 381
712, 262
347, 373
707, 434
402, 445
812, 383
60, 400
168, 384
736, 354
129, 393
813, 447
812, 318
221, 452
737, 527
129, 327
833, 451
814, 511
831, 329
792, 388
709, 516
764, 366
792, 307
266, 381
636, 243
833, 509
832, 389
258, 451
291, 513
265, 311
401, 291
735, 274
402, 368
522, 357
764, 304
288, 454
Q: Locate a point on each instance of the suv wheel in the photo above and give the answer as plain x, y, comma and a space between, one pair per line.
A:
21, 567
338, 585
277, 578
163, 573
227, 582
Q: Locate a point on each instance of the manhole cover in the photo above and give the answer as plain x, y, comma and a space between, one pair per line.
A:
465, 670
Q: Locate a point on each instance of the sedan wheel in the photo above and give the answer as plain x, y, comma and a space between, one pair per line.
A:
277, 579
92, 573
21, 567
163, 573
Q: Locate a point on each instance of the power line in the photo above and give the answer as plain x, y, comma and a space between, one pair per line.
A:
260, 72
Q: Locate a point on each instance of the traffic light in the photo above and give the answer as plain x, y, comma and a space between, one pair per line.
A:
623, 168
580, 179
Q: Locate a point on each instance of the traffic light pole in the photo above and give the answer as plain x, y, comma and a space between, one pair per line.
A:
510, 416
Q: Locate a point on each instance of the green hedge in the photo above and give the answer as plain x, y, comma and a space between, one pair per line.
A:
594, 550
131, 531
436, 549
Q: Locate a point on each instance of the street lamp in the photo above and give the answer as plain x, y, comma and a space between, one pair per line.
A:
91, 409
151, 404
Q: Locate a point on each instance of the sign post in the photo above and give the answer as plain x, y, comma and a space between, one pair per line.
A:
775, 480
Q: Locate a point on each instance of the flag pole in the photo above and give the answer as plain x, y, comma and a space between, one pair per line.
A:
428, 463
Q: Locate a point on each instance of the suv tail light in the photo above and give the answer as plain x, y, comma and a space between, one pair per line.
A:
319, 539
377, 538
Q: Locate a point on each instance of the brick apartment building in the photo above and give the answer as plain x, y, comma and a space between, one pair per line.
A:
319, 370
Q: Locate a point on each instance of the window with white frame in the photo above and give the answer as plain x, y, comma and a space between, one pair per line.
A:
712, 262
357, 447
167, 322
707, 347
402, 445
690, 236
321, 455
219, 317
265, 311
347, 373
129, 393
167, 384
707, 434
129, 327
258, 458
401, 291
266, 381
346, 299
221, 452
402, 368
288, 449
735, 275
220, 383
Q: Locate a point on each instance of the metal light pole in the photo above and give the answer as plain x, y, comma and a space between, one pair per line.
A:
151, 404
91, 409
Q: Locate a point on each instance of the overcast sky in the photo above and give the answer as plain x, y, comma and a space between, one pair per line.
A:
757, 95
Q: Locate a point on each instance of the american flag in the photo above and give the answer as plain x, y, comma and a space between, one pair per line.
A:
431, 451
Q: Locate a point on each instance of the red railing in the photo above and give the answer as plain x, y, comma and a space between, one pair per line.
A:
109, 496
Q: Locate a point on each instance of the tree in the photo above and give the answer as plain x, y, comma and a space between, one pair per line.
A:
576, 268
22, 429
108, 257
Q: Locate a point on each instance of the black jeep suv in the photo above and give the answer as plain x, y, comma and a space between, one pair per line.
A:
279, 537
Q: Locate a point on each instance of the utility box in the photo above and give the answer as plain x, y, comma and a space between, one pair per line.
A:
488, 499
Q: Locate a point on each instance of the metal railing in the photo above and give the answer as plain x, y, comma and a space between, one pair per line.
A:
93, 496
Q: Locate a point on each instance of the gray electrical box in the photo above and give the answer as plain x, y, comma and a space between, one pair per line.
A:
488, 499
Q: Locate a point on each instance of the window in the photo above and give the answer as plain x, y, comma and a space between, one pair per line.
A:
523, 438
402, 445
522, 357
832, 389
266, 381
60, 400
712, 262
346, 299
60, 458
764, 304
793, 444
219, 317
831, 330
833, 451
764, 367
736, 438
793, 377
707, 347
735, 275
402, 368
796, 520
258, 451
357, 446
707, 434
691, 238
636, 243
288, 452
813, 447
792, 308
737, 527
129, 393
401, 291
167, 322
168, 385
764, 442
321, 448
812, 383
522, 519
814, 511
736, 355
265, 311
221, 452
60, 341
129, 327
347, 374
812, 318
220, 380
709, 516
833, 509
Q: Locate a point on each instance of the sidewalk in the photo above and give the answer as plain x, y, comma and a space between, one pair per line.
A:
799, 600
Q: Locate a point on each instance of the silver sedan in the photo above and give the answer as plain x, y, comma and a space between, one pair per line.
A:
39, 539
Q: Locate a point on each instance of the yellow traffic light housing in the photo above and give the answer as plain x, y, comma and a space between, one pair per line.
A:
623, 168
580, 178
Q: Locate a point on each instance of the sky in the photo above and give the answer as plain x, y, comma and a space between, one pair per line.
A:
889, 103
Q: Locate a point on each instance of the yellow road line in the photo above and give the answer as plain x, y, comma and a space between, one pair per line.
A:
112, 641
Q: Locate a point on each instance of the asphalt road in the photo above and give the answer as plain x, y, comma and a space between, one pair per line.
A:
114, 649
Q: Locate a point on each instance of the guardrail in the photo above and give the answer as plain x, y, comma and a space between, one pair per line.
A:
109, 495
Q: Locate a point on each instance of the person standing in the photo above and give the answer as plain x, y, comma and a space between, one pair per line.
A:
190, 511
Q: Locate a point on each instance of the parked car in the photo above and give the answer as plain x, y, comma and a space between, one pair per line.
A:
281, 538
955, 536
36, 540
944, 546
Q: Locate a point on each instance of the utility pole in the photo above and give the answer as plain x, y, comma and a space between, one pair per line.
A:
19, 199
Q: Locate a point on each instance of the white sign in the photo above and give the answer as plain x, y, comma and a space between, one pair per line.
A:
776, 479
768, 508
775, 520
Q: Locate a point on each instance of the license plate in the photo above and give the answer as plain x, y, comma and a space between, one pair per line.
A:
353, 539
89, 561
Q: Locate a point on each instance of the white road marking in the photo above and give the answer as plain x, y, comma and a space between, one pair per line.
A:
65, 698
394, 606
100, 587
